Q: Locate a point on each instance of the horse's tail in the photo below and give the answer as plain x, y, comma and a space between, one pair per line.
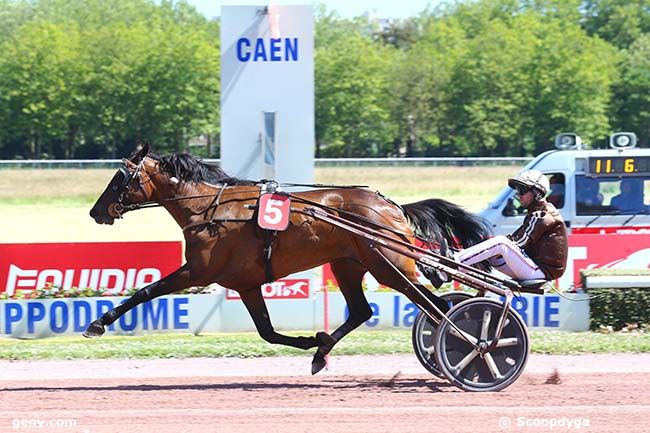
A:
442, 223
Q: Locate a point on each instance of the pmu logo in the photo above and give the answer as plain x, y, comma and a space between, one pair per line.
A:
111, 279
281, 289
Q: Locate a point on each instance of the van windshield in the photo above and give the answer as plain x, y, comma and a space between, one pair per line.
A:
613, 196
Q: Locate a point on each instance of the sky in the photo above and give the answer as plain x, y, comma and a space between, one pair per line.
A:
346, 8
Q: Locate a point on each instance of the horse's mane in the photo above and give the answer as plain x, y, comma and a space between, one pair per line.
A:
186, 167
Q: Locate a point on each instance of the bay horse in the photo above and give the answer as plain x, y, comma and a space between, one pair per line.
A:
224, 244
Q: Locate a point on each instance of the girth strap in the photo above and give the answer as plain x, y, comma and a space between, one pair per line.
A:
268, 187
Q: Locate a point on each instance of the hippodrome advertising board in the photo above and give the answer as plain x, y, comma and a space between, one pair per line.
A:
194, 314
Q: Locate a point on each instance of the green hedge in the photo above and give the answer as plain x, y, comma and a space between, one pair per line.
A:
618, 307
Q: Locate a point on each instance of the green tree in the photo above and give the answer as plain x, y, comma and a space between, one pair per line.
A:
90, 77
527, 75
573, 76
490, 88
400, 33
352, 115
39, 72
632, 93
620, 22
420, 89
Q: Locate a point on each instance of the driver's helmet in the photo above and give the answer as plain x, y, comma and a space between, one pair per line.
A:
533, 179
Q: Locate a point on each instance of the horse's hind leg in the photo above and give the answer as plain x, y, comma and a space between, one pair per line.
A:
349, 274
256, 307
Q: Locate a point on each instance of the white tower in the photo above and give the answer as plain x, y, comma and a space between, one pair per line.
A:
267, 92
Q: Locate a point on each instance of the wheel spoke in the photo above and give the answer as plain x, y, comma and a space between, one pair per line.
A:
492, 366
463, 335
487, 315
464, 362
507, 342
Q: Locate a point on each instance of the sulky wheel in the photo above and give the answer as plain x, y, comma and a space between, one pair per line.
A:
463, 365
424, 331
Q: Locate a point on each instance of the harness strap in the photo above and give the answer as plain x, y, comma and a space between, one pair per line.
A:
214, 221
269, 237
216, 201
214, 205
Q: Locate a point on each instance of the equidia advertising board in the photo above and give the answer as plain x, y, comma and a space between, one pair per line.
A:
114, 266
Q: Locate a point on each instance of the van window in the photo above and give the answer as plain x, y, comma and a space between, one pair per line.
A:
556, 194
613, 196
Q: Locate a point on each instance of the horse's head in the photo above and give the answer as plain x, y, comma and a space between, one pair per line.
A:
125, 189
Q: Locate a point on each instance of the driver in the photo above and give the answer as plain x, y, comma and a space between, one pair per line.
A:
536, 250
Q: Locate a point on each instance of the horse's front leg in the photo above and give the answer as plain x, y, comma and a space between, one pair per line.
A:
256, 307
178, 280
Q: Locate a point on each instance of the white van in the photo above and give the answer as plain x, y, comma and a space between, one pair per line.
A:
593, 189
604, 198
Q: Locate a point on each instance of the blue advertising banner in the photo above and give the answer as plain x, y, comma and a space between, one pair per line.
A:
38, 318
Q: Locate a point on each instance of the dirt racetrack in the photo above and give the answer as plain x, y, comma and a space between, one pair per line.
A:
595, 393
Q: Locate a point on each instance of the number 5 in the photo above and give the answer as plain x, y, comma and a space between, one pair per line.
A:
273, 211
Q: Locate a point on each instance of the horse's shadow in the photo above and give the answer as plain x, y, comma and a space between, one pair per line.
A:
397, 385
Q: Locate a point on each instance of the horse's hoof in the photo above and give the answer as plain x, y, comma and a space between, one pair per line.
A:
94, 330
317, 365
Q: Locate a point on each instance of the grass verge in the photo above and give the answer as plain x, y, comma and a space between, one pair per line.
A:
245, 345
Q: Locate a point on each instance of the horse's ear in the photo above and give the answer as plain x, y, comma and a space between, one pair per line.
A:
140, 152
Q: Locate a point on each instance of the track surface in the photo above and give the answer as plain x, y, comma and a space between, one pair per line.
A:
595, 393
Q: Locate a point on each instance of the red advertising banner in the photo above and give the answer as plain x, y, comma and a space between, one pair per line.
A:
613, 249
114, 266
610, 251
620, 230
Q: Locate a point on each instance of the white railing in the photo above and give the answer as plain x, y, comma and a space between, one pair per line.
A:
320, 162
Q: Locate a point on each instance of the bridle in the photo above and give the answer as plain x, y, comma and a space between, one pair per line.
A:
126, 185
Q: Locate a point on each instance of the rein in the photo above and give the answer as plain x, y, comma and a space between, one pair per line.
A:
217, 200
146, 204
351, 215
